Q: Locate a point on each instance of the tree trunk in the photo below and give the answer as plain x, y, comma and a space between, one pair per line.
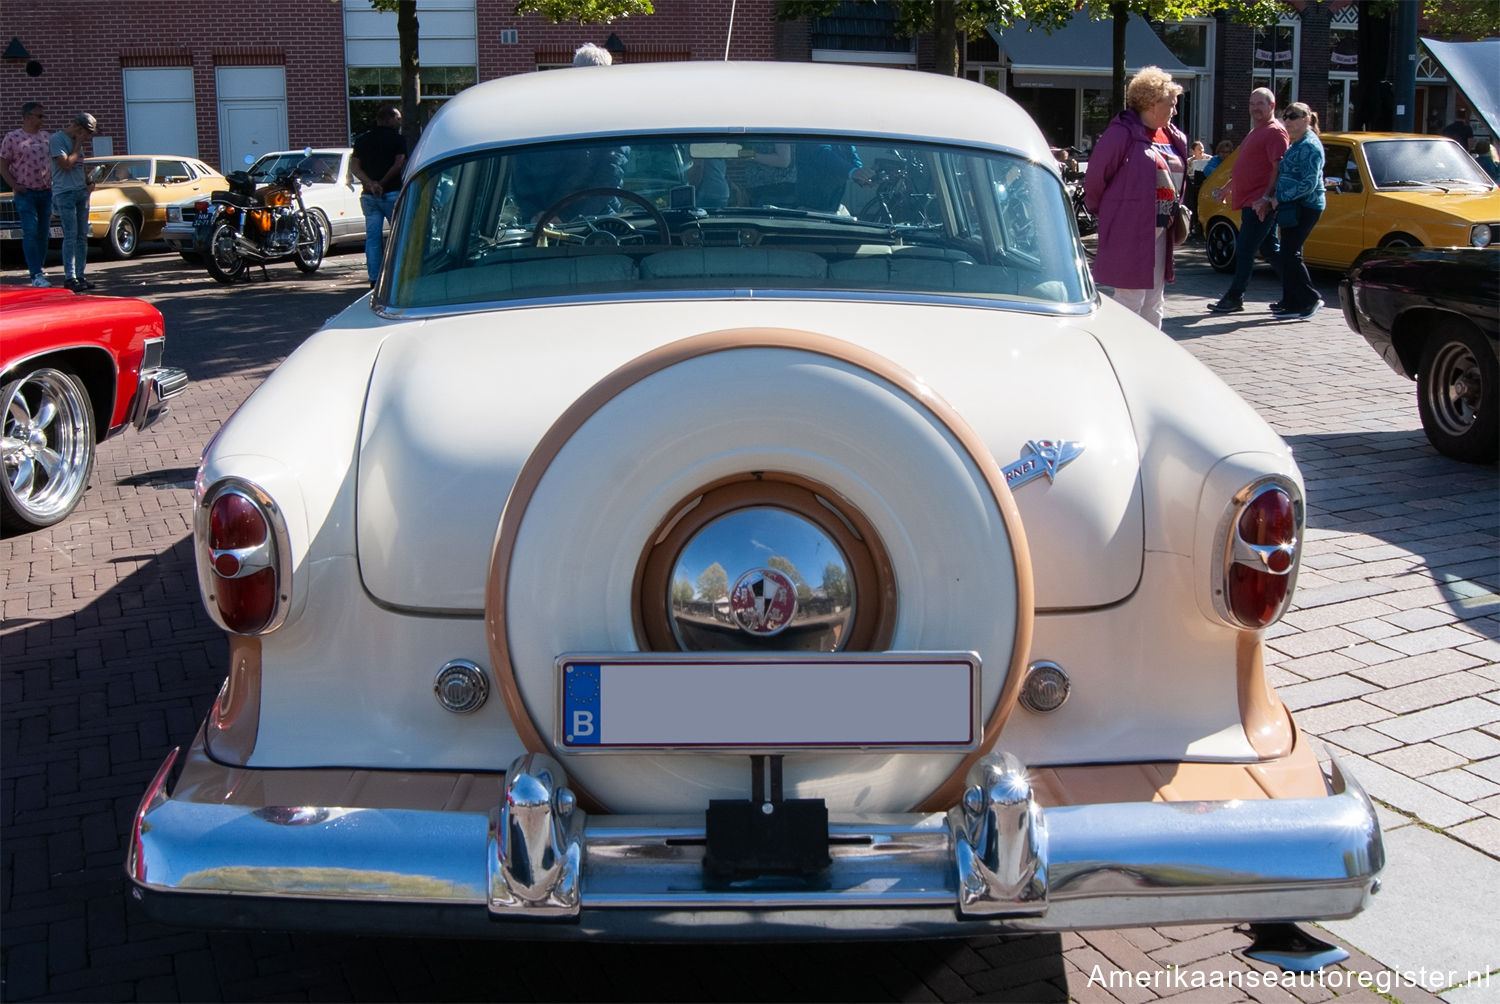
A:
411, 72
945, 37
1119, 13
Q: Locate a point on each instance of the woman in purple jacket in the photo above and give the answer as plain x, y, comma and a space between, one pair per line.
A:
1134, 182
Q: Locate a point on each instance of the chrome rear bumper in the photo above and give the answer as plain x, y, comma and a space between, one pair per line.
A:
998, 861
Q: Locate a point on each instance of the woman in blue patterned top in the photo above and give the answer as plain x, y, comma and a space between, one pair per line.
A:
1298, 203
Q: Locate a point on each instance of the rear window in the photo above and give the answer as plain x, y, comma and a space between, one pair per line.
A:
715, 213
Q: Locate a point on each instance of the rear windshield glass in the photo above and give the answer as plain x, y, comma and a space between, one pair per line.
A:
720, 213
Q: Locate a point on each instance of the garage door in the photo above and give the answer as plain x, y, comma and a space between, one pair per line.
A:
159, 111
252, 113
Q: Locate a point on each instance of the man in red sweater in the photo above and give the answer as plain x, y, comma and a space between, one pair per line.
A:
1251, 182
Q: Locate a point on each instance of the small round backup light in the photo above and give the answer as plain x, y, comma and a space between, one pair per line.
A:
461, 687
1046, 688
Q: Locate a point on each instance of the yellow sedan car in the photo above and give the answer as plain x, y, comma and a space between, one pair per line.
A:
1384, 190
131, 194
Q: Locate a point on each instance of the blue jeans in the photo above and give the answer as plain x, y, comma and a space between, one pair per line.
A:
34, 208
73, 213
1255, 233
1297, 289
377, 210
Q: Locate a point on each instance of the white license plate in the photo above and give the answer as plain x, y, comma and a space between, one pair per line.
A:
55, 232
865, 700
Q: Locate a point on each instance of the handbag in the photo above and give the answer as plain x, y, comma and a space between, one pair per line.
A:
1286, 214
1182, 220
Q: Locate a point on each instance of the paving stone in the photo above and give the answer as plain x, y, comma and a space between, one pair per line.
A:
1310, 642
1472, 744
1440, 721
1317, 667
1430, 640
1429, 693
1396, 671
1422, 801
1322, 692
1361, 739
1346, 714
1415, 761
1462, 784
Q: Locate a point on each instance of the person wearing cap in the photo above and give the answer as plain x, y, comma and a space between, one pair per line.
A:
70, 194
25, 164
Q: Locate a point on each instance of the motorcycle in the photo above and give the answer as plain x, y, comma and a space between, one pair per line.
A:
245, 225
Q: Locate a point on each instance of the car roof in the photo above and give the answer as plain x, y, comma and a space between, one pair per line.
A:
816, 99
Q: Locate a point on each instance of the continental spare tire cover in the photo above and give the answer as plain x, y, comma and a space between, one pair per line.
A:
855, 433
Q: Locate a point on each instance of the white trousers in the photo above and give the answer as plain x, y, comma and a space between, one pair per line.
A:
1150, 303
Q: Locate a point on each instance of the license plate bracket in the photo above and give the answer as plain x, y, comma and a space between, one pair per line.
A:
752, 703
748, 840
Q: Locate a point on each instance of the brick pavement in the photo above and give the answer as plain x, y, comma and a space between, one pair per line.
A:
106, 661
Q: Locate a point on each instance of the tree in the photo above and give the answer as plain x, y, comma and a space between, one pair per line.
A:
408, 34
785, 567
947, 19
713, 584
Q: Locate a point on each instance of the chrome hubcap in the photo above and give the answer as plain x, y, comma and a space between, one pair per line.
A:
761, 577
46, 443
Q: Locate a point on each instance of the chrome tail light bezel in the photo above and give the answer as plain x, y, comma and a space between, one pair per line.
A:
1232, 549
276, 552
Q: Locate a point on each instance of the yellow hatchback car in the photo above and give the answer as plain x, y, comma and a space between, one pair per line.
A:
131, 194
1384, 190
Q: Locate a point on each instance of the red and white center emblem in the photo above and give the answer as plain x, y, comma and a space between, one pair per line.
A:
763, 601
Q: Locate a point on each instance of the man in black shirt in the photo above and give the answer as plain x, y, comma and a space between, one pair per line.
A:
379, 158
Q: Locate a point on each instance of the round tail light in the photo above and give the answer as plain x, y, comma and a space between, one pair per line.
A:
1262, 556
241, 548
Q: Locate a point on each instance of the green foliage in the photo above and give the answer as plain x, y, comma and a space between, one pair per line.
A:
584, 11
785, 566
713, 584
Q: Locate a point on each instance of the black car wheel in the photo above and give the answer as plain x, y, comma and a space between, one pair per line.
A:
1221, 238
1458, 387
124, 238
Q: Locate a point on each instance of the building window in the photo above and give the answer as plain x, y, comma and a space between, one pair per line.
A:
1188, 41
861, 33
373, 86
1343, 68
1276, 60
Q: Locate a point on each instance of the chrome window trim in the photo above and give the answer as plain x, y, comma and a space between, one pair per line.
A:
1078, 308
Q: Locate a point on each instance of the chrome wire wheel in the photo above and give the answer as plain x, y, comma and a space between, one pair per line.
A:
47, 447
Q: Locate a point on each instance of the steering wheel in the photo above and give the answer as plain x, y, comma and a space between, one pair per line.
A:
662, 230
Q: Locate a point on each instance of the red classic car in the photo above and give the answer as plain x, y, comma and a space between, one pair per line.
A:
74, 370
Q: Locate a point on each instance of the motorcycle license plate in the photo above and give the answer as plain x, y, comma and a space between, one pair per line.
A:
894, 700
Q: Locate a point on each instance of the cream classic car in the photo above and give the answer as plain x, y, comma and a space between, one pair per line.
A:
803, 547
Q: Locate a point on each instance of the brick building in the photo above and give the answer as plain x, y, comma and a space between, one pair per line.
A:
179, 76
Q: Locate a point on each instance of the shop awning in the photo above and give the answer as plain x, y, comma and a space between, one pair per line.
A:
1080, 55
1471, 65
